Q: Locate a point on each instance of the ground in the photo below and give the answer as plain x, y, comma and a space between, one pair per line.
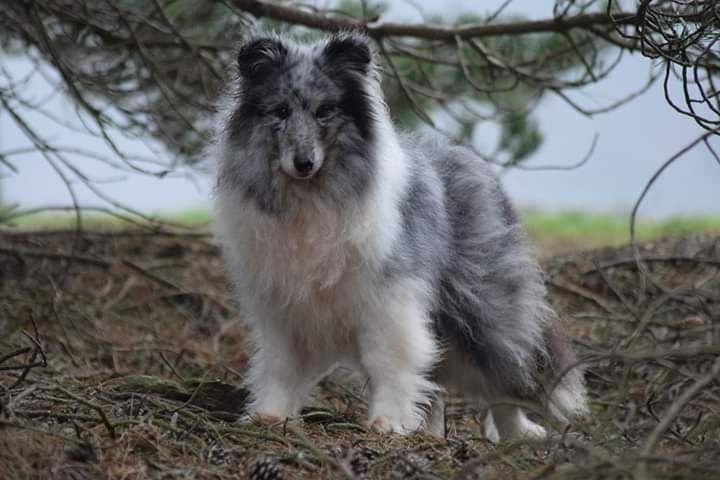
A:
121, 357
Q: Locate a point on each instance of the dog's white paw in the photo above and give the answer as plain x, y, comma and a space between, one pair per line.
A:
259, 418
384, 425
512, 424
529, 430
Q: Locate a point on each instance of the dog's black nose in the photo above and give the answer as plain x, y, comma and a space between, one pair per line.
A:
303, 164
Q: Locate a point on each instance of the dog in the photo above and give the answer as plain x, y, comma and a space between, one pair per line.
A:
396, 254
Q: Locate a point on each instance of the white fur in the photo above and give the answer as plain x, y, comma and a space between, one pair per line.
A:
570, 401
508, 422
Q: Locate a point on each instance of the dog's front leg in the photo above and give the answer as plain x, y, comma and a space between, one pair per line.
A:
396, 351
281, 375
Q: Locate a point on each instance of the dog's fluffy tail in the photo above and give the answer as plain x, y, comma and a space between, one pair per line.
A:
566, 394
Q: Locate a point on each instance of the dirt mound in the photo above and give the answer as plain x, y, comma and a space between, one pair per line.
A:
120, 356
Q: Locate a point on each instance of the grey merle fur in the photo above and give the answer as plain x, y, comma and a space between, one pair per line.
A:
273, 76
461, 232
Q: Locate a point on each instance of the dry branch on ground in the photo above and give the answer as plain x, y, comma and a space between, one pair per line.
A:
121, 358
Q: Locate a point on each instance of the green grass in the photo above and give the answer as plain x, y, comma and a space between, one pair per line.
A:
576, 229
552, 231
66, 219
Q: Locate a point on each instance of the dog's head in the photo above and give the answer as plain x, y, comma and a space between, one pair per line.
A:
304, 120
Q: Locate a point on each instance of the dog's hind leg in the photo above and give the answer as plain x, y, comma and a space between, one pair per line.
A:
435, 422
509, 422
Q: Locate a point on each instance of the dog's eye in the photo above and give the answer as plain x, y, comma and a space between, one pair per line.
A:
282, 111
324, 111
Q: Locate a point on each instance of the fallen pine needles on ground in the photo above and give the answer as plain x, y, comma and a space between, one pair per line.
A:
121, 357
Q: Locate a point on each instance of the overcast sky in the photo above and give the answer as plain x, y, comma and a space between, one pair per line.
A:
633, 142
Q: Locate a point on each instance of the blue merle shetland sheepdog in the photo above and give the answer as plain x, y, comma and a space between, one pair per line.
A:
397, 254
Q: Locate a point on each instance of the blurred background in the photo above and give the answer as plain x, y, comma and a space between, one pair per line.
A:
576, 140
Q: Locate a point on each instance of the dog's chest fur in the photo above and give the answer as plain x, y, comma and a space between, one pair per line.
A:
313, 271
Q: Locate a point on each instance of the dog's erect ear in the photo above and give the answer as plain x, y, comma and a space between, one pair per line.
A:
348, 51
258, 56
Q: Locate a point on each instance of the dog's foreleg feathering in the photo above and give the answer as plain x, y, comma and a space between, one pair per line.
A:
396, 352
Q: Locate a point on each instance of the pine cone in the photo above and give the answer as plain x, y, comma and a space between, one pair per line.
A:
265, 469
360, 459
